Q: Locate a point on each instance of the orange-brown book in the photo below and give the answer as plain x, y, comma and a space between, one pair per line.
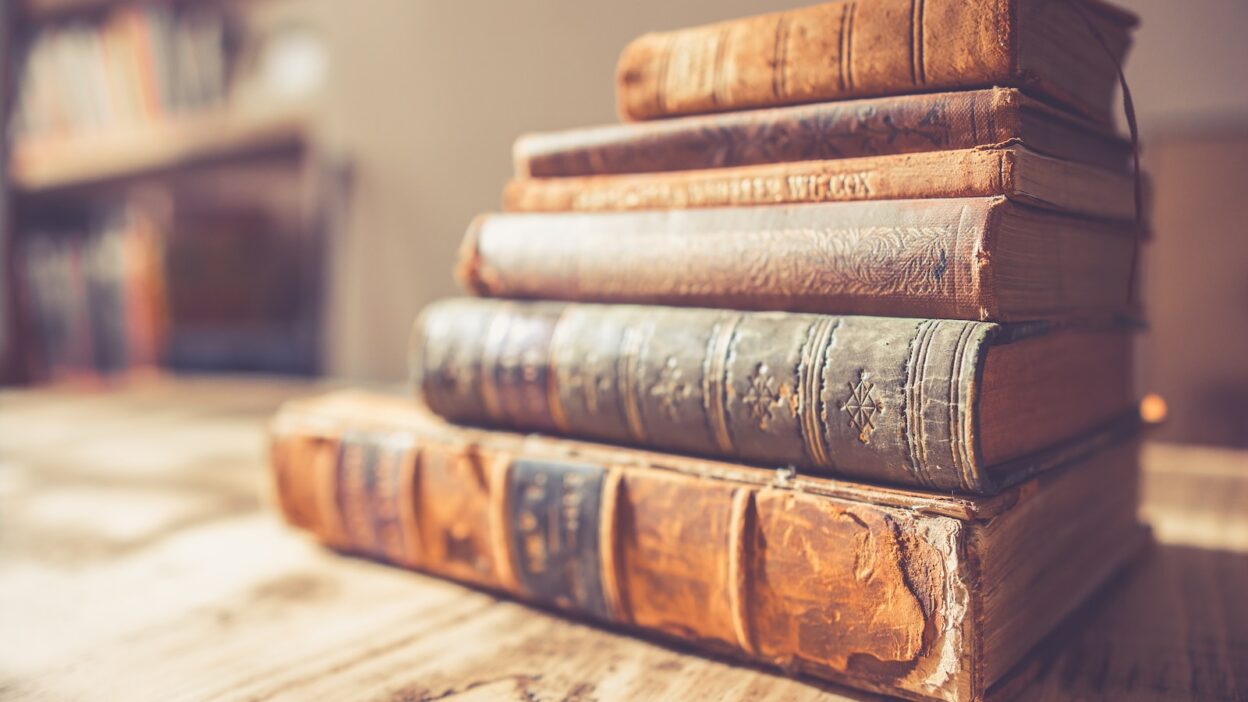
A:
1012, 172
1068, 51
982, 258
926, 596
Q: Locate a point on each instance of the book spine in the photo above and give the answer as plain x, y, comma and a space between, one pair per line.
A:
909, 258
770, 574
835, 130
883, 399
963, 173
830, 51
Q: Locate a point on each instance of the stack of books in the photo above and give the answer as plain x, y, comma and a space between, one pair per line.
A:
838, 360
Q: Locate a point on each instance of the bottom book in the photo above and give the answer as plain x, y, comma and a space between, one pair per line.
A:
885, 589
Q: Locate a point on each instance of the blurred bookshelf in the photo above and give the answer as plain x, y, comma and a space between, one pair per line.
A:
60, 162
166, 205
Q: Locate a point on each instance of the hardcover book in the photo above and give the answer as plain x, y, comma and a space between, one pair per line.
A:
937, 403
824, 131
921, 595
958, 258
1012, 172
1067, 51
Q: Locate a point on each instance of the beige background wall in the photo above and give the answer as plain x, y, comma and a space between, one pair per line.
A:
426, 96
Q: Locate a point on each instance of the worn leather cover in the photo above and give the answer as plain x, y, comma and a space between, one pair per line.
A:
853, 48
867, 586
923, 258
885, 399
824, 131
1012, 172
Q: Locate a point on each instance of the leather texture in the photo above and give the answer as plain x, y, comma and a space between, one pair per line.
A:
917, 258
854, 48
870, 595
883, 399
877, 588
824, 131
1011, 172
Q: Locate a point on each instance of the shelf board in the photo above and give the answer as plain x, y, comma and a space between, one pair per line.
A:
53, 163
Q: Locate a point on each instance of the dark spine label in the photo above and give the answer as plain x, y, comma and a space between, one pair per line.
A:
555, 512
370, 493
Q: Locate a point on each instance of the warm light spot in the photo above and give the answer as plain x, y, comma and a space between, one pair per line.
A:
1153, 408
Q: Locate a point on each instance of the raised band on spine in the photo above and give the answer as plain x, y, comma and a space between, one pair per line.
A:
740, 525
612, 583
715, 380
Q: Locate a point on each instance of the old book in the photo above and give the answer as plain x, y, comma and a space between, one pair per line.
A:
907, 593
824, 131
1012, 172
945, 404
961, 258
848, 49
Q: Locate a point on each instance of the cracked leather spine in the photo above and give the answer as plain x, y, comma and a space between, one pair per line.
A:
917, 258
835, 130
880, 399
861, 48
604, 533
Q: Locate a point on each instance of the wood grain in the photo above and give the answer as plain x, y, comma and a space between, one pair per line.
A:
138, 561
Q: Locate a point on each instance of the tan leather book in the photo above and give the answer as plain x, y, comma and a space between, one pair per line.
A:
853, 48
823, 131
1011, 172
938, 403
925, 596
960, 258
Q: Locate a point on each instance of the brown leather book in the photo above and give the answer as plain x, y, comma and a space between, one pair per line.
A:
938, 403
960, 258
847, 49
824, 131
920, 595
1012, 172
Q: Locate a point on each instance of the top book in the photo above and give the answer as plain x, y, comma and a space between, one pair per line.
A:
1067, 51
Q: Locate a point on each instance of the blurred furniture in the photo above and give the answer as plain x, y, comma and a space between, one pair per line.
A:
1195, 353
193, 132
139, 562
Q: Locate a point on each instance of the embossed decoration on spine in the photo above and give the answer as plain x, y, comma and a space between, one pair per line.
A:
555, 513
833, 258
374, 495
862, 406
880, 398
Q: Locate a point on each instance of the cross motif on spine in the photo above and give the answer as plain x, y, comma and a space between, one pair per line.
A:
591, 388
862, 406
762, 397
671, 388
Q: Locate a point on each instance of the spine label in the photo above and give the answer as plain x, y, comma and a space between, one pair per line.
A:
372, 471
555, 515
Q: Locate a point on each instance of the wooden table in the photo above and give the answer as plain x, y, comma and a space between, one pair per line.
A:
138, 561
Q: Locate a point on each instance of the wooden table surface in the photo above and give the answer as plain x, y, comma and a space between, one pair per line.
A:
139, 561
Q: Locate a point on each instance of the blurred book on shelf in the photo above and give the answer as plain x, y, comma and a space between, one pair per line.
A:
206, 105
137, 66
92, 290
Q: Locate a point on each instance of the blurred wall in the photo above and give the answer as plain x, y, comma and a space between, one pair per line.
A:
426, 97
